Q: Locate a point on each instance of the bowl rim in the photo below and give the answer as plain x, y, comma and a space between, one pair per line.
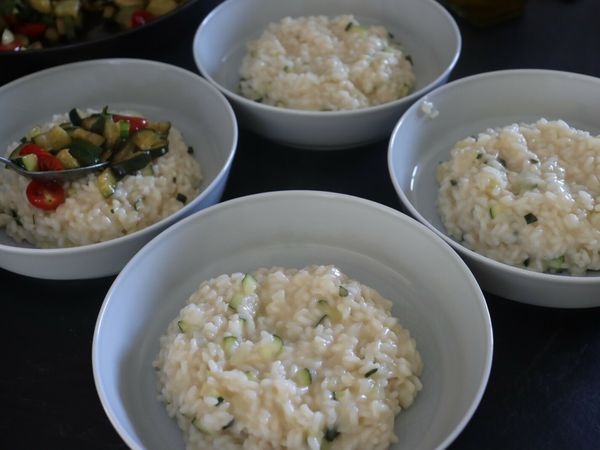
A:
168, 234
81, 45
496, 265
146, 64
413, 96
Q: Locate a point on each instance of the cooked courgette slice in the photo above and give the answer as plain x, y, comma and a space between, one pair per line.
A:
128, 166
146, 139
303, 377
53, 139
271, 349
230, 343
249, 284
107, 182
92, 138
67, 160
85, 152
28, 162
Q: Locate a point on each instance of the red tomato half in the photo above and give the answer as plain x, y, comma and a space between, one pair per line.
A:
45, 195
135, 123
33, 30
140, 17
46, 161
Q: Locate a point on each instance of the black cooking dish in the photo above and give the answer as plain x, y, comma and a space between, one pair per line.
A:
169, 34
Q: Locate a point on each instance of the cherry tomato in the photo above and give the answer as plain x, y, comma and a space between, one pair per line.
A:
46, 161
135, 123
140, 17
45, 195
32, 30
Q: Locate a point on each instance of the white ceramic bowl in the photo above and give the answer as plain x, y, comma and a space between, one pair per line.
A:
434, 295
467, 107
154, 89
425, 29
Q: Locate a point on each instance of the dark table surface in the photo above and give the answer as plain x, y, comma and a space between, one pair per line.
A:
544, 388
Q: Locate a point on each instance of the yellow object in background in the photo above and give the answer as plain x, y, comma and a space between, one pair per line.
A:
487, 12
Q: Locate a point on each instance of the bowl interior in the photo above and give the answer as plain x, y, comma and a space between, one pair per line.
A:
471, 105
423, 28
156, 90
451, 326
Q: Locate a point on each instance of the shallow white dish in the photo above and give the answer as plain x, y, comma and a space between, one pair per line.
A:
434, 295
424, 28
467, 107
154, 89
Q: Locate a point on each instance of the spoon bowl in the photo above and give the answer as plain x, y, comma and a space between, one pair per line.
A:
54, 175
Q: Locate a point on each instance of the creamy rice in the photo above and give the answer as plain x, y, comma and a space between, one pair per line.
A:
249, 394
87, 217
322, 64
526, 195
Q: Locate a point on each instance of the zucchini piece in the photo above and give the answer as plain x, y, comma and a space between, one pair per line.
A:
93, 138
146, 139
112, 133
41, 6
236, 301
494, 211
147, 171
94, 123
330, 311
67, 160
343, 291
85, 152
333, 396
271, 349
131, 165
181, 198
161, 7
183, 326
230, 343
303, 378
75, 117
28, 162
123, 16
66, 8
157, 152
70, 32
556, 263
123, 129
249, 284
107, 182
53, 139
124, 151
251, 376
162, 127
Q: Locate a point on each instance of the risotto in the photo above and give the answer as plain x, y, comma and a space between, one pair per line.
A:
87, 215
322, 64
526, 195
287, 359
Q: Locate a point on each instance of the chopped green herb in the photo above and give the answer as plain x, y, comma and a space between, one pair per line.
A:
174, 179
348, 26
181, 325
137, 205
556, 263
112, 210
181, 198
191, 150
343, 292
370, 372
502, 161
219, 400
534, 161
530, 218
526, 262
453, 182
333, 396
479, 155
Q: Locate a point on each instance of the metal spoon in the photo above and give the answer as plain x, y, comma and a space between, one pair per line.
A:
54, 175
